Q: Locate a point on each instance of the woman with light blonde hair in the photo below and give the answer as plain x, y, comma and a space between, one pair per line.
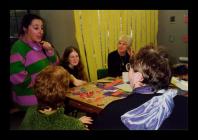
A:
118, 59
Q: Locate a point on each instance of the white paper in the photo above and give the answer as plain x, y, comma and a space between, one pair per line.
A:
124, 87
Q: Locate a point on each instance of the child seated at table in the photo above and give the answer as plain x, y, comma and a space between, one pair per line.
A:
50, 86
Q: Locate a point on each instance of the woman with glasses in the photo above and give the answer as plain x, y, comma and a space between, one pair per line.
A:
151, 105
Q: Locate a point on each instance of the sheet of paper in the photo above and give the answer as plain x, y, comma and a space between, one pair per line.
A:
125, 87
179, 83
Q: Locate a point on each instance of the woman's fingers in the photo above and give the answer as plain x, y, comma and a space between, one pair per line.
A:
46, 45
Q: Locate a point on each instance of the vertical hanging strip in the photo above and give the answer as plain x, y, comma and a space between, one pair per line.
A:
154, 26
108, 41
116, 28
112, 29
127, 22
81, 28
131, 31
135, 14
117, 24
103, 15
131, 28
92, 47
146, 26
99, 29
151, 41
149, 26
138, 25
141, 28
78, 35
124, 22
120, 23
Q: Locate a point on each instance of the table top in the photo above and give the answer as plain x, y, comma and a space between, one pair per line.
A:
93, 95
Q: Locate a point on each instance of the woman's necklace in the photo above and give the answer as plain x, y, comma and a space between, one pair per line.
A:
122, 58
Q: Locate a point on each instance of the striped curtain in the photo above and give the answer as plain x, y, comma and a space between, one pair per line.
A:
97, 33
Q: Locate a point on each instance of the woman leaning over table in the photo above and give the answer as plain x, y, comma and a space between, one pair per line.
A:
151, 105
49, 88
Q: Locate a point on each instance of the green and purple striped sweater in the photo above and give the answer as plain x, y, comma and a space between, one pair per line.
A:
26, 60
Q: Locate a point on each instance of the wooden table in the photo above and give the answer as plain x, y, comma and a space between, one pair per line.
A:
90, 98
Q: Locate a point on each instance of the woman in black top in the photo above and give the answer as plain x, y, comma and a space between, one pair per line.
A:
72, 63
120, 57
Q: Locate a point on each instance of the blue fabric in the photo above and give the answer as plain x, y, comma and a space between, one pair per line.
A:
144, 90
150, 115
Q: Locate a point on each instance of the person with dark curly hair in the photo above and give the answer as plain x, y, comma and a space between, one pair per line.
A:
152, 105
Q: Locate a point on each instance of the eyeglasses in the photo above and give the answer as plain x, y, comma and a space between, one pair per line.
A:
128, 66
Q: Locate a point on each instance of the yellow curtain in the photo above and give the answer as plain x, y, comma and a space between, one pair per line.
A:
97, 33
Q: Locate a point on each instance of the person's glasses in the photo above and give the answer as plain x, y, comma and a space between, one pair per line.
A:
128, 66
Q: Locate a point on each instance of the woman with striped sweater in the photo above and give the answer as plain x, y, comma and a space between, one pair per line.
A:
29, 55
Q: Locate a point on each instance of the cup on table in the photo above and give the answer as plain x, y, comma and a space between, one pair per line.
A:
125, 77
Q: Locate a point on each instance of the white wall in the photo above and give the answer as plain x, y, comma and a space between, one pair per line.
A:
170, 34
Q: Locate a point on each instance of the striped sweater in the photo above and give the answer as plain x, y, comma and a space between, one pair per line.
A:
26, 60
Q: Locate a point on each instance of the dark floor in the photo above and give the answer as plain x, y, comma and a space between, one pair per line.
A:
15, 120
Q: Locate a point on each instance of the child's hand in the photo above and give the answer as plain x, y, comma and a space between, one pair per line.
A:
86, 120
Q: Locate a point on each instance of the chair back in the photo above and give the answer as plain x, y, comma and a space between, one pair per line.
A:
101, 73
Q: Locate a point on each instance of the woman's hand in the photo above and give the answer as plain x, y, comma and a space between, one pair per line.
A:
46, 45
86, 120
76, 81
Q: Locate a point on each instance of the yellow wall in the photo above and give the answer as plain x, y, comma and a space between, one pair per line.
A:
97, 32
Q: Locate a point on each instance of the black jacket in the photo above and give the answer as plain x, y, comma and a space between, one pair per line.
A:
109, 118
116, 63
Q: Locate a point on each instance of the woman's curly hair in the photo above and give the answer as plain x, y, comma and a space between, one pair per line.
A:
50, 87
